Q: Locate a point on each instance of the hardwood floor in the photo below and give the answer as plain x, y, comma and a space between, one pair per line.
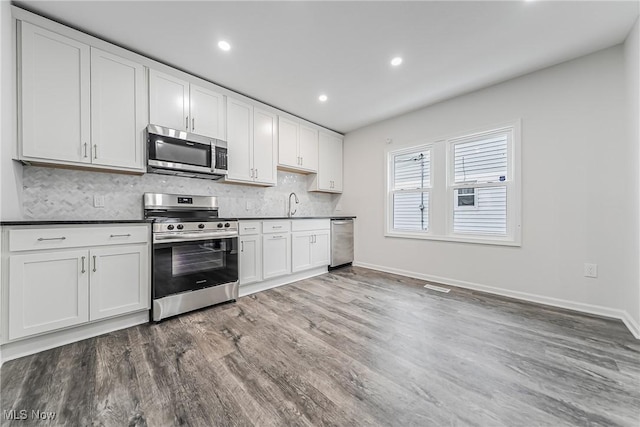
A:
353, 347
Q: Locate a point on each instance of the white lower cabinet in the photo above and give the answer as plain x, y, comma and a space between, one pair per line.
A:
270, 249
250, 259
47, 291
53, 286
119, 278
276, 255
310, 246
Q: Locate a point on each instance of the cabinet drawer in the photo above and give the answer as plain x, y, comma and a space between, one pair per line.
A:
275, 226
251, 227
62, 237
310, 224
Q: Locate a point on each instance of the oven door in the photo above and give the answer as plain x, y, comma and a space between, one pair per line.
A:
190, 265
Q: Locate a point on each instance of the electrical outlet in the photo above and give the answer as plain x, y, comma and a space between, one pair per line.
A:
98, 201
590, 270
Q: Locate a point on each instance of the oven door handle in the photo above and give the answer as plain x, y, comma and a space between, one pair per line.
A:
191, 237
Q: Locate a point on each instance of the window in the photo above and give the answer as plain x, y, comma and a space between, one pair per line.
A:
410, 186
464, 188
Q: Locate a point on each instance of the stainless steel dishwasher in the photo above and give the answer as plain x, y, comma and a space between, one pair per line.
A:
341, 241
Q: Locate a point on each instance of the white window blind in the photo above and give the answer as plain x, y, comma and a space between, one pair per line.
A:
410, 184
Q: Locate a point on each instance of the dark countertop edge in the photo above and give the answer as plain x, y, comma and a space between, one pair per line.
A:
266, 218
76, 222
144, 221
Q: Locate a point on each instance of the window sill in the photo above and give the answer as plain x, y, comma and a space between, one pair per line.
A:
456, 239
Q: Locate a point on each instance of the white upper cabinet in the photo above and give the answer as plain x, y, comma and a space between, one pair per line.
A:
168, 101
288, 134
207, 112
297, 146
329, 178
308, 148
79, 105
54, 83
251, 139
239, 140
177, 104
117, 111
264, 147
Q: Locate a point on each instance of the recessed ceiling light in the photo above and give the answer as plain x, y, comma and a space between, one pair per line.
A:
323, 98
224, 45
396, 61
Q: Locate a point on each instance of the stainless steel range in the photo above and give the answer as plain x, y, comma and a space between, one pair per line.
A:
195, 254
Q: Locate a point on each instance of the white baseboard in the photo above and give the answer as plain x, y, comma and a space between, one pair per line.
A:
540, 299
280, 281
27, 346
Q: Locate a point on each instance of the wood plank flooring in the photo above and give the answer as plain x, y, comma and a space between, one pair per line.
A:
351, 348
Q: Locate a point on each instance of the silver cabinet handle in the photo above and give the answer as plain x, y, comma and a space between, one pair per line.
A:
85, 150
276, 226
256, 173
241, 246
310, 238
277, 237
120, 235
83, 270
95, 151
193, 124
301, 160
186, 122
40, 239
252, 173
249, 228
94, 264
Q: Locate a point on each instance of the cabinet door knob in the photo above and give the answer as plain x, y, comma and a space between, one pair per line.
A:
85, 150
241, 246
83, 270
94, 264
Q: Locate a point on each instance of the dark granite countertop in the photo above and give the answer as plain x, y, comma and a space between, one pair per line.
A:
75, 222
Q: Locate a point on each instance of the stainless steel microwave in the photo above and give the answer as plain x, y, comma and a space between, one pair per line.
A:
176, 152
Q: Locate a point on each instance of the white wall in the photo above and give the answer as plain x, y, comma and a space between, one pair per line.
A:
576, 168
10, 171
632, 63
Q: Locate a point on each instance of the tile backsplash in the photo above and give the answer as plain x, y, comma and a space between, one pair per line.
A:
62, 194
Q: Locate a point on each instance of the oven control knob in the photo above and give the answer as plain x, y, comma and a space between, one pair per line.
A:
169, 227
227, 225
180, 226
219, 225
200, 225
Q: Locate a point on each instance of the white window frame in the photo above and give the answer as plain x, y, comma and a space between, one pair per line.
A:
391, 191
442, 189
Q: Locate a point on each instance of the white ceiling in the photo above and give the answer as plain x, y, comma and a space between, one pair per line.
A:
287, 53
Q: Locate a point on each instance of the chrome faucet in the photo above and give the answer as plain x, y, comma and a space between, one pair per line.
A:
290, 214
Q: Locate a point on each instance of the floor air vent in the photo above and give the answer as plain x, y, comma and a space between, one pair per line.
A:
437, 288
